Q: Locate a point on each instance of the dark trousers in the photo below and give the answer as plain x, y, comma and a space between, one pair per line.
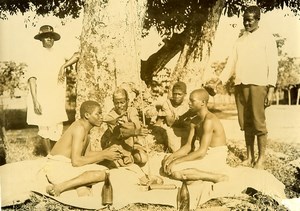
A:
250, 101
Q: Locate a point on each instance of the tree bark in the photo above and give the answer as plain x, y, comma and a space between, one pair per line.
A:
194, 57
109, 51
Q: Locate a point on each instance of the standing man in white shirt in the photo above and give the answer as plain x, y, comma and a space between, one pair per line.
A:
255, 63
46, 102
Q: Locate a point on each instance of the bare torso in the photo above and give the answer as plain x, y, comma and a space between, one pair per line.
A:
64, 144
218, 135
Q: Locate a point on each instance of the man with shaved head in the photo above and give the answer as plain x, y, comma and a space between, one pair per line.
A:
125, 130
207, 161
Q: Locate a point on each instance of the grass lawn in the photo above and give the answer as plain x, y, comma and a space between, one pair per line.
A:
20, 144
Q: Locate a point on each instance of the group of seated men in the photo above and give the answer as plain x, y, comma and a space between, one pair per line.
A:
196, 139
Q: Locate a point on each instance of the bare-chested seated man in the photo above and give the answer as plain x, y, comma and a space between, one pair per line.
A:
71, 156
206, 161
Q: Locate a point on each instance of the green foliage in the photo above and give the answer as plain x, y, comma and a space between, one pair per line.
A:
11, 75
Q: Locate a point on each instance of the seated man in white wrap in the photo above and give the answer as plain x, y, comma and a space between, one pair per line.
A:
207, 160
71, 156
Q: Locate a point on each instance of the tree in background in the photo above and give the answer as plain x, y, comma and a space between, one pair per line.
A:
109, 53
288, 70
11, 75
189, 28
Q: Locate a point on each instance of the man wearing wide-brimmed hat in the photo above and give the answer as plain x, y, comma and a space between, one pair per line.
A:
46, 103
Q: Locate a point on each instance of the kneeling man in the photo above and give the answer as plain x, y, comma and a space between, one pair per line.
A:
206, 161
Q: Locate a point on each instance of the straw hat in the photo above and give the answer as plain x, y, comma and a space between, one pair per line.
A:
46, 31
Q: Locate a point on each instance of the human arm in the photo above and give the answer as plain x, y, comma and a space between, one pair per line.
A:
205, 141
168, 113
78, 158
184, 120
229, 69
183, 151
268, 99
272, 64
33, 92
72, 60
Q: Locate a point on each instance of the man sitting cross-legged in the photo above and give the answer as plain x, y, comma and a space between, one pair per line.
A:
125, 131
72, 155
206, 161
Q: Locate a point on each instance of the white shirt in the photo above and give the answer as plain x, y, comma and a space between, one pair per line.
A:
254, 60
50, 94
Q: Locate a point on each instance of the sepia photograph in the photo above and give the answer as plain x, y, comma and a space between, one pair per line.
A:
157, 105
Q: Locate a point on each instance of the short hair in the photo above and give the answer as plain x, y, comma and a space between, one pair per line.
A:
180, 85
202, 93
253, 10
88, 107
120, 91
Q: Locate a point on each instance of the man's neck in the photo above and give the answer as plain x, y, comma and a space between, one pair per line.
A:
202, 113
254, 30
85, 123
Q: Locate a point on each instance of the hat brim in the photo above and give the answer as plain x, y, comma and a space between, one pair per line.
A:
47, 34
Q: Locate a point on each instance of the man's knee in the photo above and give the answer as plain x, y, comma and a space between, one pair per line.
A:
177, 175
140, 157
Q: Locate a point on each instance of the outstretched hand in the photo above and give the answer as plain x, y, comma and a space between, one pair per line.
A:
143, 131
113, 153
211, 86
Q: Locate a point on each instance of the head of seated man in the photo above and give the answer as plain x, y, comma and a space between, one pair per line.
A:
120, 100
178, 93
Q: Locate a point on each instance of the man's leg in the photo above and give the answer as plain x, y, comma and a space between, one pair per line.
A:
54, 134
47, 145
85, 179
262, 145
258, 95
249, 139
239, 101
245, 113
193, 174
174, 141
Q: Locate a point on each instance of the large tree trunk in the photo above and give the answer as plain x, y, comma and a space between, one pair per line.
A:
109, 50
195, 55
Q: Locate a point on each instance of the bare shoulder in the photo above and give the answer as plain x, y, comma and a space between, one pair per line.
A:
211, 117
76, 127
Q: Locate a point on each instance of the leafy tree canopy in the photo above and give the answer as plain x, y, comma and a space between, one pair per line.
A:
167, 16
58, 8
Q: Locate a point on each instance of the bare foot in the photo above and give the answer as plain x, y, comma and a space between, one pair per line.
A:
259, 164
83, 191
53, 190
248, 162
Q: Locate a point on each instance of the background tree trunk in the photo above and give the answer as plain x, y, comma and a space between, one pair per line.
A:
194, 57
109, 51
